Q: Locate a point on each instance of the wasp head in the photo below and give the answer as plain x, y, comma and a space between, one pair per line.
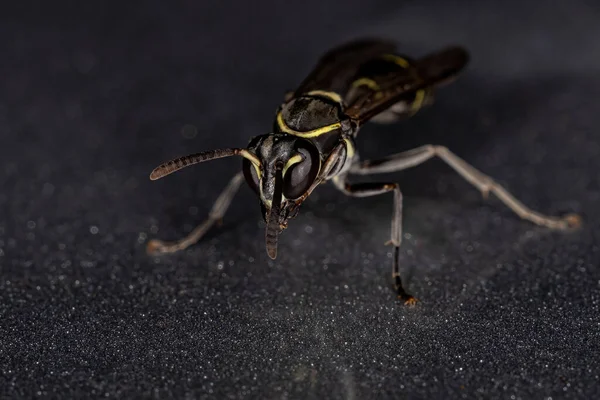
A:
282, 170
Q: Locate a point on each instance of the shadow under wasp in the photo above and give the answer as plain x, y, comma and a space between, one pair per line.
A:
313, 142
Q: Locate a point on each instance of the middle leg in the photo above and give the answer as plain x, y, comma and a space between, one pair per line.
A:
374, 189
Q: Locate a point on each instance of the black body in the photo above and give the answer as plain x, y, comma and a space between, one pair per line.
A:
313, 140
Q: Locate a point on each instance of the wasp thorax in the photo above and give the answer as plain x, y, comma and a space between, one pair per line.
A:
306, 113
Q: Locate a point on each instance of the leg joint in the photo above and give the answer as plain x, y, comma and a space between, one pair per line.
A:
439, 149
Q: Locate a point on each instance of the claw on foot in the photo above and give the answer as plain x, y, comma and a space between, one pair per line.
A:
155, 247
572, 221
408, 300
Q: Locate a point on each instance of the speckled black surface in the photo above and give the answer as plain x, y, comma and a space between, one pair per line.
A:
93, 96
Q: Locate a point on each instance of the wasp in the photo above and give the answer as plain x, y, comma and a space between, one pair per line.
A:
313, 141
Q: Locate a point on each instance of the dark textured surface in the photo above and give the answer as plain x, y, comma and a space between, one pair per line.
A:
93, 97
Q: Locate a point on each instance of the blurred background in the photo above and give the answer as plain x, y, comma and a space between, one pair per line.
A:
94, 95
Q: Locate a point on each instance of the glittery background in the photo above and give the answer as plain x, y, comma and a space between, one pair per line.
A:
93, 95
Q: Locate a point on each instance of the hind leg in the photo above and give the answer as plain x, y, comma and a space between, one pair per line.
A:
414, 157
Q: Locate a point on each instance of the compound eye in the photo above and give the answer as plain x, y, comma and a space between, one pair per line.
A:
301, 171
251, 175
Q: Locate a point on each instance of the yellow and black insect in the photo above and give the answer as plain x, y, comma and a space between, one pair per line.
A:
313, 141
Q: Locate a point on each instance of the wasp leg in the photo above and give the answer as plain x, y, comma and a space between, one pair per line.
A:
217, 212
484, 183
374, 189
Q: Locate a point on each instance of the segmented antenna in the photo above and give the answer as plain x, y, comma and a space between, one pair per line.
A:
178, 163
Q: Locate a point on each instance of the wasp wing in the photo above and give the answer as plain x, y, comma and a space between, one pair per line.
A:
336, 69
383, 82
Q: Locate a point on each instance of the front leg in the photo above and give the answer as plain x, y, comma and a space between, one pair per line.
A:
156, 246
373, 189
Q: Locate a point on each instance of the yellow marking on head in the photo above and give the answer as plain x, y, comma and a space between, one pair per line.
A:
325, 93
250, 157
253, 159
370, 83
350, 151
293, 160
418, 101
308, 134
403, 62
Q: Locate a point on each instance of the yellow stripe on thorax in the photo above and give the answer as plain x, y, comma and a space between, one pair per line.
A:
306, 134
